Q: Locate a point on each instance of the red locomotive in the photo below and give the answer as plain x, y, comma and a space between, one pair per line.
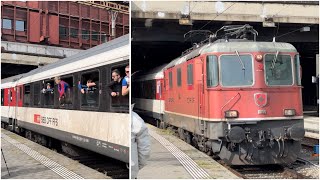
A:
238, 99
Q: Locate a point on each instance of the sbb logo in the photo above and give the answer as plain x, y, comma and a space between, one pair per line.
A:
37, 118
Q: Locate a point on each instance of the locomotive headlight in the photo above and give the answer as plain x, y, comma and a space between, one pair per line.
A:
231, 114
289, 112
259, 57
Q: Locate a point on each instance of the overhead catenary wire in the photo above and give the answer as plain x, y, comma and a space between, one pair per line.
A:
217, 16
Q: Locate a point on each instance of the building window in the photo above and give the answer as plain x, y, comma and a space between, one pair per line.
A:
103, 38
20, 25
26, 97
170, 79
6, 23
74, 33
85, 34
95, 36
63, 32
89, 89
190, 74
179, 77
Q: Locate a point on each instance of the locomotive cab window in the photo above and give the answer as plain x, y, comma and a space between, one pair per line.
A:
48, 92
115, 88
26, 96
236, 70
212, 71
297, 69
65, 92
89, 89
278, 70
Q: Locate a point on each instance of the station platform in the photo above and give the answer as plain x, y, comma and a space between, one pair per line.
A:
172, 158
311, 125
29, 160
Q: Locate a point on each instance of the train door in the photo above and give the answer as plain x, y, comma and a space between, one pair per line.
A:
159, 96
201, 102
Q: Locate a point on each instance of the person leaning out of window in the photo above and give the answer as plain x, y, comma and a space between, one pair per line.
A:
126, 82
115, 85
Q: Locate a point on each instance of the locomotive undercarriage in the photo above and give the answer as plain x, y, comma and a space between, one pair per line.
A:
262, 142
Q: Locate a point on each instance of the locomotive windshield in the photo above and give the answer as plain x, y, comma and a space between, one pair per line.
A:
236, 70
278, 70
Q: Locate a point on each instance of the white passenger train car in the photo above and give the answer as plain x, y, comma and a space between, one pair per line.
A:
93, 120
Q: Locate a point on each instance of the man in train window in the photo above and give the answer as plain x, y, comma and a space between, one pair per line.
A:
63, 89
90, 86
126, 82
48, 89
115, 85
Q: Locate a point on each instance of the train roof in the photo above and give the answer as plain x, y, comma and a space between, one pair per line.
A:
156, 73
232, 46
78, 60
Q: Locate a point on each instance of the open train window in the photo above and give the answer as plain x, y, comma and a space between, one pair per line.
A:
67, 96
170, 79
118, 101
2, 97
89, 89
212, 71
190, 74
179, 77
36, 94
26, 97
48, 92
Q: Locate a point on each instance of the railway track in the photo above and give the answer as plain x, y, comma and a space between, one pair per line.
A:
297, 170
112, 168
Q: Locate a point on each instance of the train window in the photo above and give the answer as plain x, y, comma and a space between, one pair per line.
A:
20, 25
10, 96
2, 97
89, 89
85, 34
278, 71
26, 96
118, 101
297, 69
212, 71
20, 92
63, 31
190, 74
48, 92
170, 79
236, 71
6, 23
66, 98
179, 77
36, 94
73, 32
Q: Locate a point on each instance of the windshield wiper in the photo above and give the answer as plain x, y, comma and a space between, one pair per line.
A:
274, 61
240, 60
